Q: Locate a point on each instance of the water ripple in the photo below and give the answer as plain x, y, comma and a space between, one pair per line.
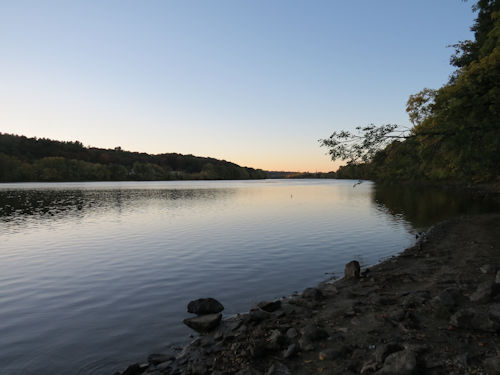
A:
94, 276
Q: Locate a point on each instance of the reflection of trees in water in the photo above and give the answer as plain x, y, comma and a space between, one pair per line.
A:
21, 205
16, 203
425, 206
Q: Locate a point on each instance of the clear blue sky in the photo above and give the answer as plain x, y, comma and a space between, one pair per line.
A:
253, 82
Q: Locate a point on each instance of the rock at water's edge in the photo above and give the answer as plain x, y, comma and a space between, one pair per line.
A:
205, 306
269, 306
352, 270
204, 323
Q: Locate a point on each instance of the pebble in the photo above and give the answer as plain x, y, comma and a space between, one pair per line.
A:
399, 363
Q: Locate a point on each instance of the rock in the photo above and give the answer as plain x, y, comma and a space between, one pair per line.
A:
487, 268
207, 341
416, 299
290, 351
220, 335
397, 315
384, 350
258, 315
242, 330
204, 323
276, 340
164, 366
204, 306
306, 345
399, 363
312, 293
369, 367
156, 359
314, 333
352, 270
462, 318
482, 322
198, 368
493, 364
331, 354
449, 298
278, 369
484, 292
135, 369
233, 324
269, 306
291, 333
349, 312
494, 311
259, 348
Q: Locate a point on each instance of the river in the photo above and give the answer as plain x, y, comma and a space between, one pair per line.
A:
94, 276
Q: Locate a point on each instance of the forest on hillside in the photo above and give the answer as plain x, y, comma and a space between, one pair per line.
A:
455, 135
41, 159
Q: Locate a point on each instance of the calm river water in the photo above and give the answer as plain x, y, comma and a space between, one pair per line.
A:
95, 276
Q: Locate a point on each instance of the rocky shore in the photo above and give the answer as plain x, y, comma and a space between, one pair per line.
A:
433, 309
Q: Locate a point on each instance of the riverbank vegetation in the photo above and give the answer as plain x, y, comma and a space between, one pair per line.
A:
456, 129
41, 159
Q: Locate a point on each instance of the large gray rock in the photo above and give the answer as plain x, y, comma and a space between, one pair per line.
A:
352, 270
204, 306
204, 323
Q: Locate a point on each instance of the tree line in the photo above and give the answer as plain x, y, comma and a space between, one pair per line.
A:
40, 159
456, 129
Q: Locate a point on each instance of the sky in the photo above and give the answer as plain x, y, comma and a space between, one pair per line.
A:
255, 82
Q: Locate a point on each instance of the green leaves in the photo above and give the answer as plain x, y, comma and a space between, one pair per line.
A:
456, 129
360, 147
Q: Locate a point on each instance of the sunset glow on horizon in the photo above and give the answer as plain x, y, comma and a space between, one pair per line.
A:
252, 82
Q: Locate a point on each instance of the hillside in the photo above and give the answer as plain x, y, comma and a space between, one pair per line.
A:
41, 159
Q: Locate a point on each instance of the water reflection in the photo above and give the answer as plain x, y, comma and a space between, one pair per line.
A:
46, 205
424, 206
99, 275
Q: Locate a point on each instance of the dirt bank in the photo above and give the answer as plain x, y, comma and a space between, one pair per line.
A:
431, 310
